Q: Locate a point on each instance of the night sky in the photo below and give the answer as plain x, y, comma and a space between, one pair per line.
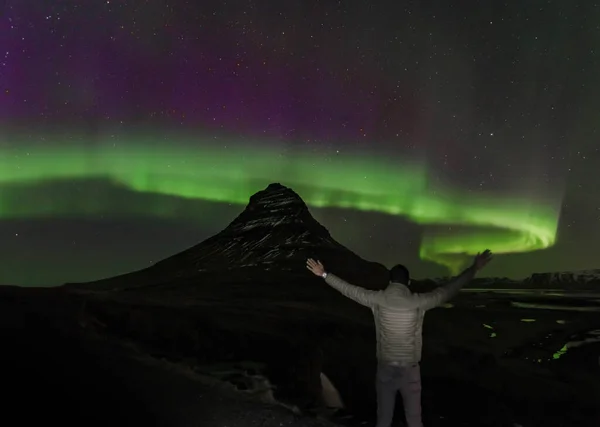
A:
415, 131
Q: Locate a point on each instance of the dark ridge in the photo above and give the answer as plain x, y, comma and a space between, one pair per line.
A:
269, 241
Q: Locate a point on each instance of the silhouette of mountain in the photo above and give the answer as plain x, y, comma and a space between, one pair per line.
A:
267, 243
568, 279
584, 280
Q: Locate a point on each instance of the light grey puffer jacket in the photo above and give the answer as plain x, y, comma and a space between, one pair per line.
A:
399, 314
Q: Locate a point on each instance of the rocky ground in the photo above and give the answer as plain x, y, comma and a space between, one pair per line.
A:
52, 372
60, 363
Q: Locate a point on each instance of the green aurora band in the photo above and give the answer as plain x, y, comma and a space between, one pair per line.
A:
456, 224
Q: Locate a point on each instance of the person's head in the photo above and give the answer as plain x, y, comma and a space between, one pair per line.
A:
400, 274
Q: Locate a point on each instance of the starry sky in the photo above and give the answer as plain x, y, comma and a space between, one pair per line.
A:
416, 132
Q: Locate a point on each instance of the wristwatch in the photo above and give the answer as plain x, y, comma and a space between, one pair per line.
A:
324, 275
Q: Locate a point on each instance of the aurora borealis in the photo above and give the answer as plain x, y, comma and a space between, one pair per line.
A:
230, 176
406, 139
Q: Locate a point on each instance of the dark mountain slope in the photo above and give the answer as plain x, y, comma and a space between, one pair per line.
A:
267, 243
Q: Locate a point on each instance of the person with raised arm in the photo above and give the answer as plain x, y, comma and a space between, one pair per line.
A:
398, 315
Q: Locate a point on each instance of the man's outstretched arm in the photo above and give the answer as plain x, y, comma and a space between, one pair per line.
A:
362, 296
443, 293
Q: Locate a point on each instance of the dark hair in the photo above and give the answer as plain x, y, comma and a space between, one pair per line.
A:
399, 274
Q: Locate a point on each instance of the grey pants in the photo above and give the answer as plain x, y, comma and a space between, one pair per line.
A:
406, 380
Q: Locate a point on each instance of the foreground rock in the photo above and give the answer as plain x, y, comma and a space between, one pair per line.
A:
59, 373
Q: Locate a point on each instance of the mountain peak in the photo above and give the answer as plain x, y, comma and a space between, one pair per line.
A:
276, 195
270, 209
276, 201
276, 227
275, 233
276, 189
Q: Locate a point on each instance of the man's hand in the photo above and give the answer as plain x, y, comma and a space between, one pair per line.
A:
315, 266
482, 259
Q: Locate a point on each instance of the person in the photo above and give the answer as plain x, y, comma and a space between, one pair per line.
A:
398, 315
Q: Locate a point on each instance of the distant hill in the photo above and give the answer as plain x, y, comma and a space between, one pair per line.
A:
585, 280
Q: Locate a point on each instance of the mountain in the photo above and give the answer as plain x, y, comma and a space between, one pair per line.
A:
583, 278
266, 245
